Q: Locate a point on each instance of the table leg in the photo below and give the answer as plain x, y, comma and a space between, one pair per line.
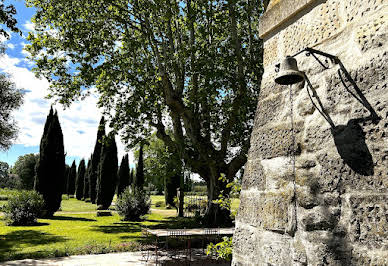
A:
156, 250
189, 249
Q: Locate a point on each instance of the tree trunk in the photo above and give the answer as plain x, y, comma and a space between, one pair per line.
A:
215, 215
181, 199
171, 184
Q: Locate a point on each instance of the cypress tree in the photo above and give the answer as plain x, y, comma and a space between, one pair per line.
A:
95, 161
107, 174
67, 170
79, 187
86, 180
50, 169
71, 179
123, 175
139, 180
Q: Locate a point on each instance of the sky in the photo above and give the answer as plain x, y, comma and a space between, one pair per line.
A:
79, 122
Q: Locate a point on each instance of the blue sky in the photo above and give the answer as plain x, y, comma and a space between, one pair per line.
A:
79, 122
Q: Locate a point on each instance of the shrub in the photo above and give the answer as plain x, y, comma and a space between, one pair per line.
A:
131, 205
23, 208
223, 250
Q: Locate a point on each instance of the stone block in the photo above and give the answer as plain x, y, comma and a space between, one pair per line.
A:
354, 10
275, 141
336, 174
363, 256
273, 211
373, 34
317, 137
318, 25
368, 223
276, 249
269, 87
304, 107
318, 218
270, 211
278, 172
268, 109
247, 209
270, 51
245, 243
299, 253
326, 248
369, 79
254, 176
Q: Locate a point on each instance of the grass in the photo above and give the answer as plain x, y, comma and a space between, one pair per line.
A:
77, 230
76, 234
155, 199
6, 192
74, 205
69, 233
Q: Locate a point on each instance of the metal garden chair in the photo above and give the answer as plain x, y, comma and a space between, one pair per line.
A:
178, 245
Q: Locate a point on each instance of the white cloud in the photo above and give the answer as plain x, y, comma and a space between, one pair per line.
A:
79, 122
10, 46
25, 53
28, 25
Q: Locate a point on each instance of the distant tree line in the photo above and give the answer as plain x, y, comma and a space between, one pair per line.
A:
97, 182
99, 179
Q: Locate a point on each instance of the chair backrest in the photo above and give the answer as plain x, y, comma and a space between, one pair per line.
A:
175, 233
212, 231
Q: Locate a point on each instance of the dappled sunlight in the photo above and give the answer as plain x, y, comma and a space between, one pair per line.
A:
77, 230
14, 241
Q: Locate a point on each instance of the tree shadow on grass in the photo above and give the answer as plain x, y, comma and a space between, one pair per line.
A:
32, 225
38, 224
175, 223
68, 218
117, 228
10, 243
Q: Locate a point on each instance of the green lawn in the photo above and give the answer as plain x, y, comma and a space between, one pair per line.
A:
76, 229
74, 205
69, 232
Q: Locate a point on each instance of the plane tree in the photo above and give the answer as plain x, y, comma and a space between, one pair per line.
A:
192, 68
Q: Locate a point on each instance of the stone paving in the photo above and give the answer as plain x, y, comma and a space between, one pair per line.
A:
125, 258
113, 259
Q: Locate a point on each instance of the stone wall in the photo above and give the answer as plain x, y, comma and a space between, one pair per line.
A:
332, 207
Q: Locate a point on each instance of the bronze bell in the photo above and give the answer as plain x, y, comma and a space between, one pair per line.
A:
289, 73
